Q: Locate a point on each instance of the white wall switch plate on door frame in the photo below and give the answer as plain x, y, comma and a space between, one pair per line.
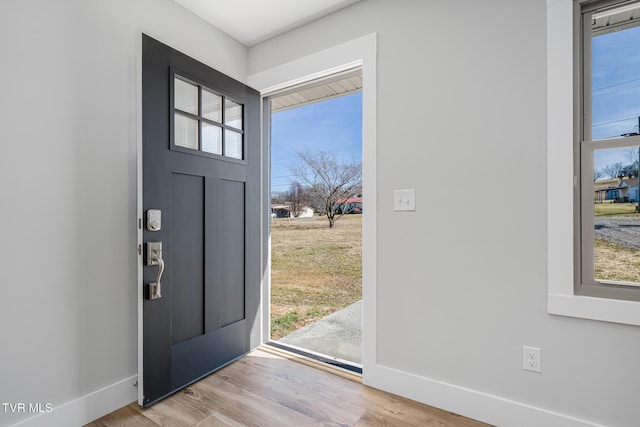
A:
404, 200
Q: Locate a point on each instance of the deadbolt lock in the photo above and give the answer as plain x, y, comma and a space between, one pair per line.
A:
154, 219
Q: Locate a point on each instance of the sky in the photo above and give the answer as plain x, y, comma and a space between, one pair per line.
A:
616, 90
333, 126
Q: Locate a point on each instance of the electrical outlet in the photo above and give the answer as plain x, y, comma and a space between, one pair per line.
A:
531, 359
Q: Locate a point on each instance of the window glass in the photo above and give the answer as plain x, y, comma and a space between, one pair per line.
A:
185, 96
211, 106
232, 144
186, 131
233, 114
616, 83
609, 150
211, 138
201, 124
616, 222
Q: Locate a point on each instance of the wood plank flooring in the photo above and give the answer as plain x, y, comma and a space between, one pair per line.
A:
268, 389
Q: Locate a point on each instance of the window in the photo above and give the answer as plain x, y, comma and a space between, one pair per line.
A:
205, 121
607, 226
564, 74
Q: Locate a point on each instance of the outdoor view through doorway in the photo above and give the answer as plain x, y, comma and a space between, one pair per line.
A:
316, 219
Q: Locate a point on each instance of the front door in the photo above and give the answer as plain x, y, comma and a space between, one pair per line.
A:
201, 215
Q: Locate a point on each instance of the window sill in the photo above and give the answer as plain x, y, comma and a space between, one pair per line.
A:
602, 309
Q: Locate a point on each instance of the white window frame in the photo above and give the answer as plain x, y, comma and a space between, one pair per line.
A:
562, 129
585, 147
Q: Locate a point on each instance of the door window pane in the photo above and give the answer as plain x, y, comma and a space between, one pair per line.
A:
232, 144
185, 96
211, 138
212, 114
211, 106
233, 114
186, 131
616, 222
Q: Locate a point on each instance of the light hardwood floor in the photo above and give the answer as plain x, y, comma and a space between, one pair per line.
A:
269, 389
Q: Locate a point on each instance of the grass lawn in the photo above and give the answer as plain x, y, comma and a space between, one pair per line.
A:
614, 210
315, 270
615, 262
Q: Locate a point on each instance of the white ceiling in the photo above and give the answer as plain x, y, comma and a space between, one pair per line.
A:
253, 21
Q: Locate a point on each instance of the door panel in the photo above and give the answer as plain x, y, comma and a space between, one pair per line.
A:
187, 256
232, 254
209, 199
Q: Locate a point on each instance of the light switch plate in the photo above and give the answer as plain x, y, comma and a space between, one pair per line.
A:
404, 200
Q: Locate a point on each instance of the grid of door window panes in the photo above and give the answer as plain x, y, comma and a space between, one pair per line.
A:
206, 121
612, 143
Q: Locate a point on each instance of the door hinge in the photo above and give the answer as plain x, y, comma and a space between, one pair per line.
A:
139, 249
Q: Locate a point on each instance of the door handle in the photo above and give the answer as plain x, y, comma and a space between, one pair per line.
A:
154, 257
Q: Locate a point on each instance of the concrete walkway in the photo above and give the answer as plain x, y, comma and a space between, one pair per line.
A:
339, 335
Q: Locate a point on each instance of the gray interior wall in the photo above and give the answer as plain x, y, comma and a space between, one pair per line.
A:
462, 282
68, 313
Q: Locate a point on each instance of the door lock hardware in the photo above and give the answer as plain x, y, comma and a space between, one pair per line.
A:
154, 252
154, 257
154, 219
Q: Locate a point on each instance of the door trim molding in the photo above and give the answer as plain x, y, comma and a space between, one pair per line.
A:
360, 52
138, 219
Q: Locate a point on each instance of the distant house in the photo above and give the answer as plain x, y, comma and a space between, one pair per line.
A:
350, 205
306, 212
281, 211
616, 190
286, 211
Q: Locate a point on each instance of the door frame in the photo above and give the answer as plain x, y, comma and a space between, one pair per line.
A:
358, 53
343, 72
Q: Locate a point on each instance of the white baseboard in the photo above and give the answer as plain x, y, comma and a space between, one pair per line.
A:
87, 408
470, 403
481, 406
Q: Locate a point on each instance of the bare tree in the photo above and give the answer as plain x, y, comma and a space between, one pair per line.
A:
331, 180
597, 174
633, 155
280, 197
298, 198
614, 170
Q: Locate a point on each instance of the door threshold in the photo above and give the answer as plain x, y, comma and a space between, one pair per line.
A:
343, 368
